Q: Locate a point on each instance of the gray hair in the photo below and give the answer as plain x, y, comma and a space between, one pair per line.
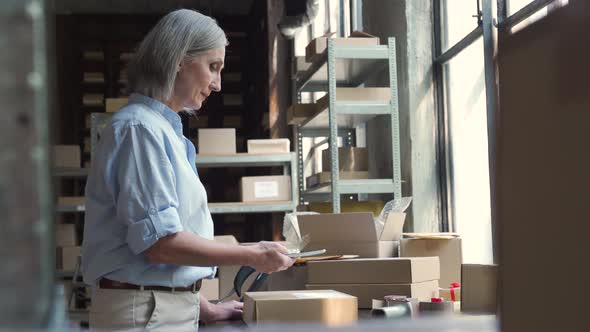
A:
179, 35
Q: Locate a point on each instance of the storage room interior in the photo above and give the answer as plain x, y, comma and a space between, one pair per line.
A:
418, 165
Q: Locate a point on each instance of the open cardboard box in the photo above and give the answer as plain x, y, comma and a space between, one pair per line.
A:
352, 233
326, 306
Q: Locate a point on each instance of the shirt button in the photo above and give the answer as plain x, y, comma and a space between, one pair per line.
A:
152, 211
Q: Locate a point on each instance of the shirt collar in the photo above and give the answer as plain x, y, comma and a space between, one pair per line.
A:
159, 107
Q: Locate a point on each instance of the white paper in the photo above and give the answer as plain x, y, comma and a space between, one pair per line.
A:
318, 295
266, 189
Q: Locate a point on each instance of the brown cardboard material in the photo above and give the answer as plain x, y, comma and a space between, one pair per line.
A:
326, 306
65, 235
351, 234
298, 113
365, 293
71, 200
355, 94
210, 289
326, 177
448, 250
294, 278
115, 104
374, 271
66, 156
269, 146
479, 284
219, 141
318, 45
265, 188
67, 258
350, 159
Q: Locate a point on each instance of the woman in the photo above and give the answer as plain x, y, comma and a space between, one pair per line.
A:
148, 232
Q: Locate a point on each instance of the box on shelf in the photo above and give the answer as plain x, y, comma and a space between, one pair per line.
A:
298, 113
67, 258
350, 159
318, 45
352, 234
210, 289
65, 235
71, 200
220, 141
114, 104
93, 77
232, 99
367, 292
329, 307
374, 271
479, 285
326, 177
265, 188
269, 146
446, 247
355, 95
66, 156
232, 121
93, 99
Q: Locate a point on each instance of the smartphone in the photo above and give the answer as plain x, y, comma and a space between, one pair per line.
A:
307, 253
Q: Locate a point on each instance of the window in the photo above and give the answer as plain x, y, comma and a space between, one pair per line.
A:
465, 79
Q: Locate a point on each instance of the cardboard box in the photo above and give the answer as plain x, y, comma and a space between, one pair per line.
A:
66, 156
210, 289
355, 95
217, 141
326, 306
352, 234
71, 200
479, 285
318, 45
65, 235
448, 250
269, 146
67, 258
348, 206
298, 113
326, 177
294, 278
374, 271
265, 188
232, 121
115, 104
365, 293
350, 159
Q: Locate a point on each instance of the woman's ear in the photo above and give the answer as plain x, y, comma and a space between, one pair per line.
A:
179, 67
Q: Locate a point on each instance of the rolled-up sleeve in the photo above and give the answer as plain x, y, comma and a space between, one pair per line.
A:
144, 186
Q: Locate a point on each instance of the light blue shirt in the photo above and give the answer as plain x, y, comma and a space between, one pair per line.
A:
143, 185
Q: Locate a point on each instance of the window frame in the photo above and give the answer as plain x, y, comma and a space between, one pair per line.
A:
486, 23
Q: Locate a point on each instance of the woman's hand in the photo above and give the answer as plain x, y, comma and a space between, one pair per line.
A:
270, 257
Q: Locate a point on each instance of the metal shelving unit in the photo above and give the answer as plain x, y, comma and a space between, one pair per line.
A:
355, 65
287, 160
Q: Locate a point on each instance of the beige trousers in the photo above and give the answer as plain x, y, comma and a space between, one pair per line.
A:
124, 310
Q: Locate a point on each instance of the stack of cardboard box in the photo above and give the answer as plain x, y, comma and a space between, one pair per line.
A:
375, 278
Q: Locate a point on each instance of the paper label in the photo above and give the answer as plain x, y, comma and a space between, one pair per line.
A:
318, 295
266, 189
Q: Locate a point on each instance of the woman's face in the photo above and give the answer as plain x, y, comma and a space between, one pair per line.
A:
197, 78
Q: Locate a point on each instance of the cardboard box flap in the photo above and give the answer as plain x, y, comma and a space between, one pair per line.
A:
361, 34
393, 227
344, 227
431, 236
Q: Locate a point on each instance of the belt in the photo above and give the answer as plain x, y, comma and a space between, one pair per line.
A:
112, 284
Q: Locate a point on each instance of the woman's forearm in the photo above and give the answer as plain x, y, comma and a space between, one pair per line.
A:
185, 248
